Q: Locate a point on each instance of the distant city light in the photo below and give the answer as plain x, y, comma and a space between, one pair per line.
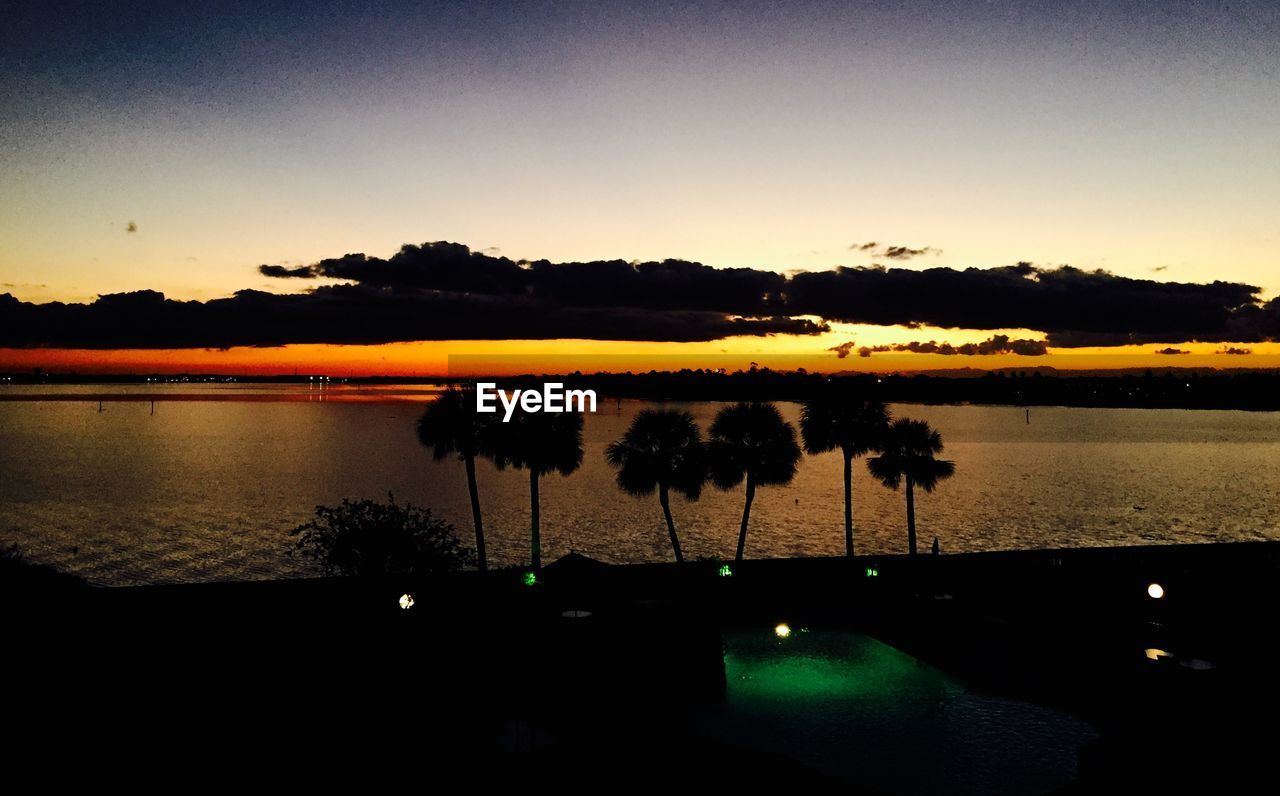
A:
1155, 591
530, 579
725, 571
783, 630
1156, 654
406, 601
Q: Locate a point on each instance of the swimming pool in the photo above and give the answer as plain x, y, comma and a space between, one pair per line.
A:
848, 706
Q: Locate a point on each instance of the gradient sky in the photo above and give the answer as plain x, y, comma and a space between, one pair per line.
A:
1136, 137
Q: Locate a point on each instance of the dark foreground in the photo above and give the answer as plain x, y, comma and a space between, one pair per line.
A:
594, 677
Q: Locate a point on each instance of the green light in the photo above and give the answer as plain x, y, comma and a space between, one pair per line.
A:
725, 571
829, 668
873, 572
530, 579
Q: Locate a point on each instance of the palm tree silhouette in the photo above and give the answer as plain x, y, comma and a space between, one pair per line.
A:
855, 426
451, 425
751, 441
908, 453
542, 443
661, 450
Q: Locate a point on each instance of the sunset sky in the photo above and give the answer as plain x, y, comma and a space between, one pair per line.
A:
176, 147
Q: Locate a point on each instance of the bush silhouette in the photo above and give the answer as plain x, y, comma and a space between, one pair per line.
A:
369, 539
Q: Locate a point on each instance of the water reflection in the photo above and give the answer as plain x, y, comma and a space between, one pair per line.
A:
207, 489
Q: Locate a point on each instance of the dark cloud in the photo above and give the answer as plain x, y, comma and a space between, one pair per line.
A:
1234, 351
842, 350
1073, 307
906, 253
1172, 351
438, 291
668, 284
894, 252
284, 272
131, 227
352, 314
996, 344
1160, 268
1025, 347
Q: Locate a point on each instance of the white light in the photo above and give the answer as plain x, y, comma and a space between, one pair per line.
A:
1155, 591
783, 630
406, 601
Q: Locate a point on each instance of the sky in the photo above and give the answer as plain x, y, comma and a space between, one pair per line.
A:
176, 147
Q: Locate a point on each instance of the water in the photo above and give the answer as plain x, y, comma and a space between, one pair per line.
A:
207, 489
853, 708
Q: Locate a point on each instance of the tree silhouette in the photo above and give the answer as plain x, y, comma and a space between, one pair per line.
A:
751, 441
908, 453
542, 443
855, 426
662, 450
451, 425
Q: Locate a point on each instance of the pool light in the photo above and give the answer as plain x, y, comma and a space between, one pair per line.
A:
783, 630
406, 601
873, 572
725, 571
530, 579
1155, 591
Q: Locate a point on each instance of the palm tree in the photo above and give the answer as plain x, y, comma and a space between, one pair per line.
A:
751, 441
451, 425
542, 443
909, 453
855, 426
661, 450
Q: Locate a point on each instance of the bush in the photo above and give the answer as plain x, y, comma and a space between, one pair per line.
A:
369, 539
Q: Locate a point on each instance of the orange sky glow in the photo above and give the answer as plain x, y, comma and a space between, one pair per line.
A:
463, 358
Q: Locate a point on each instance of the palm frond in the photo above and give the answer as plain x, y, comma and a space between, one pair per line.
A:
887, 469
661, 446
752, 438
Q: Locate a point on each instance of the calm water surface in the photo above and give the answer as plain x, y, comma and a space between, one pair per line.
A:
208, 489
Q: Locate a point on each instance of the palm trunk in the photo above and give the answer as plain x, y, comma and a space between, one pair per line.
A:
671, 525
475, 512
848, 504
911, 517
746, 514
535, 529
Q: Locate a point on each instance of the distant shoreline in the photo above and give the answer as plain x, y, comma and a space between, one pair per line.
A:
1038, 387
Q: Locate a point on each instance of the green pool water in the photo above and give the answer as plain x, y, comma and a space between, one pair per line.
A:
851, 707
